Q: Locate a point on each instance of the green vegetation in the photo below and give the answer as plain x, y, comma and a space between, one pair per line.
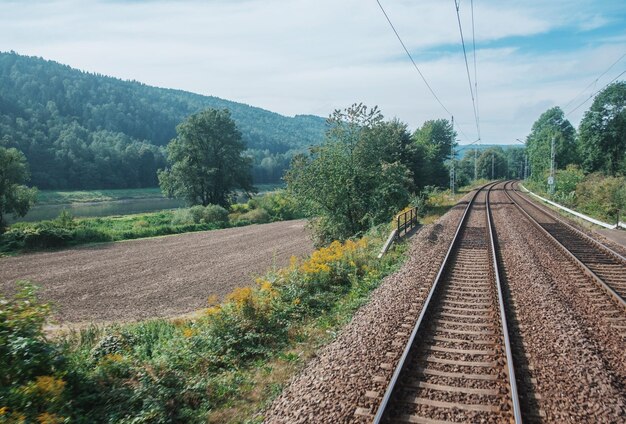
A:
80, 130
591, 164
602, 133
69, 231
206, 162
222, 367
365, 171
593, 194
15, 197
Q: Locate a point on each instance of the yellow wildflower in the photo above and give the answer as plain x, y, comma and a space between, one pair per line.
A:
213, 310
113, 357
47, 418
189, 332
240, 295
50, 386
4, 410
212, 300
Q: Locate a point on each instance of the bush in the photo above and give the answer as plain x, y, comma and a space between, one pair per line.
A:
279, 206
255, 216
31, 382
210, 214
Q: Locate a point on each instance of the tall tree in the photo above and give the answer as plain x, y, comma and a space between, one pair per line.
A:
358, 177
15, 197
602, 132
434, 140
492, 164
551, 125
207, 161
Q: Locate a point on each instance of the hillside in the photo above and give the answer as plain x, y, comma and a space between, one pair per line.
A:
83, 130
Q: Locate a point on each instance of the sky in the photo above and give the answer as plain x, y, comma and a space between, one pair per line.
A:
314, 56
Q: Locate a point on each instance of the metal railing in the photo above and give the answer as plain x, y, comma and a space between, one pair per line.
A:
406, 221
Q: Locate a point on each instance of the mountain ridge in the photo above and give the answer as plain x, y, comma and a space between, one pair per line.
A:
69, 123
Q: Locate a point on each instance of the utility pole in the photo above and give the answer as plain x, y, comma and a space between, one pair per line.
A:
492, 162
526, 167
475, 163
552, 157
452, 176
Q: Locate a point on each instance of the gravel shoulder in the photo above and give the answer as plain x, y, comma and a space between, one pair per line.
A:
156, 277
331, 389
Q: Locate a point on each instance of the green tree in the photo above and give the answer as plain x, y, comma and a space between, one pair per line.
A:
15, 197
492, 164
207, 164
551, 124
603, 131
434, 140
357, 178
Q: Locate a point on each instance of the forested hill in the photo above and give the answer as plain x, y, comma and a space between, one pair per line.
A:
83, 130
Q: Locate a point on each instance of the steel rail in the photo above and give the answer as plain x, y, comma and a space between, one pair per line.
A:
517, 414
599, 281
378, 418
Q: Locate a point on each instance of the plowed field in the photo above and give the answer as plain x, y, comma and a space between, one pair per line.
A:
157, 277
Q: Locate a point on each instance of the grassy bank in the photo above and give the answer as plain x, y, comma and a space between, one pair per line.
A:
596, 195
53, 197
67, 231
50, 197
222, 367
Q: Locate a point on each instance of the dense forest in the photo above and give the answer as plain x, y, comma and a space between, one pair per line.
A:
80, 130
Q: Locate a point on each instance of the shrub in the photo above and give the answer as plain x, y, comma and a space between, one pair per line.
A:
210, 214
214, 214
31, 382
279, 206
255, 216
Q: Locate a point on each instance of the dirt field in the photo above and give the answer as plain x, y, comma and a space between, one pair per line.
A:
156, 277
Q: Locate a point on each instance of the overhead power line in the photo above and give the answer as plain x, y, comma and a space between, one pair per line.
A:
594, 81
416, 67
457, 4
593, 95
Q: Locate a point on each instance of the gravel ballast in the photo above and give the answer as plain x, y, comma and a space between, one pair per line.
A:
343, 383
572, 363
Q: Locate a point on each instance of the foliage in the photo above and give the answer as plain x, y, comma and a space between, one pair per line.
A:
80, 130
357, 178
603, 132
210, 214
32, 382
594, 194
182, 370
434, 141
15, 197
279, 205
492, 164
206, 160
255, 216
551, 125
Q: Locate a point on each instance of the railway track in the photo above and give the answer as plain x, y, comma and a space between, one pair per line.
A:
457, 365
605, 266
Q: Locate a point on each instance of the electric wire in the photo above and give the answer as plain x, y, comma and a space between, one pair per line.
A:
417, 68
457, 5
596, 92
594, 81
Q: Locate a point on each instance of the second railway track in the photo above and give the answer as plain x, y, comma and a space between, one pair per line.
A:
457, 366
602, 264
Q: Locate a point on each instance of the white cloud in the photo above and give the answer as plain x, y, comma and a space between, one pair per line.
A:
311, 56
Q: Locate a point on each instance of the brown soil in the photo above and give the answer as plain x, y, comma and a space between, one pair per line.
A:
157, 277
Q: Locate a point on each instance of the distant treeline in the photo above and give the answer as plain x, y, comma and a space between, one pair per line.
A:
80, 130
